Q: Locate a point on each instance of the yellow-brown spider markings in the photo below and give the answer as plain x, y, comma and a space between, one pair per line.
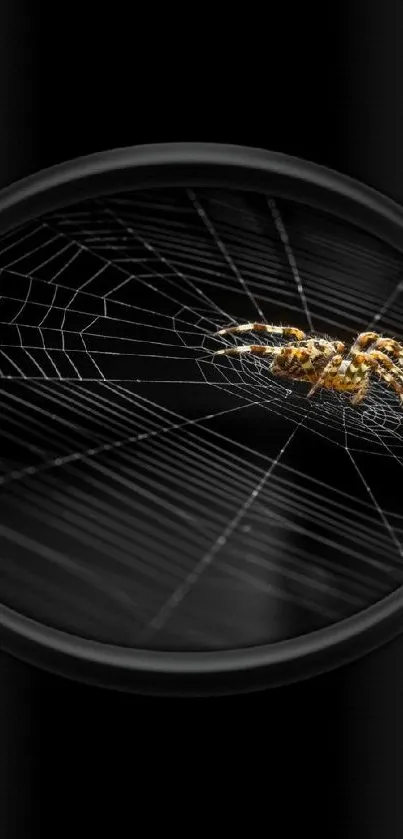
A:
325, 363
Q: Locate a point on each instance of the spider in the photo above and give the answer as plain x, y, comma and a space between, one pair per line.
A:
325, 363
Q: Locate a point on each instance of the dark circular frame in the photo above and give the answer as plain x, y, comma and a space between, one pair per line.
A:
243, 669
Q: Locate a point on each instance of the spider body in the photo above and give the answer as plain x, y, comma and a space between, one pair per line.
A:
325, 363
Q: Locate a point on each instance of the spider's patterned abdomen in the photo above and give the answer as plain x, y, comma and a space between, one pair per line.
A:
304, 362
293, 363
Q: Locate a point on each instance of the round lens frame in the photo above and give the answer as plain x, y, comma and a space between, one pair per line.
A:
201, 673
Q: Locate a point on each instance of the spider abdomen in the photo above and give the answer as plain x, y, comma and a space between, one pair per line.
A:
297, 363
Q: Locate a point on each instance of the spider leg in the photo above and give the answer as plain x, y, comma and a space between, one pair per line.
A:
330, 370
362, 390
373, 341
389, 345
253, 349
364, 340
384, 367
282, 331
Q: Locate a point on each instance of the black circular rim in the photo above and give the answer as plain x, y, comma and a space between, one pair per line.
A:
244, 669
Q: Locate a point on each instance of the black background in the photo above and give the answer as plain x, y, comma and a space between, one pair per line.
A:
326, 86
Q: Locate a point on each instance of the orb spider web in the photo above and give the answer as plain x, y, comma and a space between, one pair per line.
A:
155, 496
